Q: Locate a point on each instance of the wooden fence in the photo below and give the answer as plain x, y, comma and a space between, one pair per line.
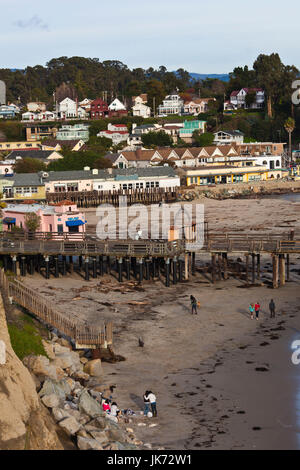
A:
82, 334
134, 196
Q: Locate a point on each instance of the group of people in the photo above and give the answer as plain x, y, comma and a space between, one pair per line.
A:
255, 308
112, 409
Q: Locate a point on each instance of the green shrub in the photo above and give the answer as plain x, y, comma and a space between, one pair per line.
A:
25, 338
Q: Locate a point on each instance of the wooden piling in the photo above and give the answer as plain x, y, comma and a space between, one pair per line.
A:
275, 271
281, 270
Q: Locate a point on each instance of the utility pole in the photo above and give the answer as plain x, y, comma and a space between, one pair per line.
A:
154, 106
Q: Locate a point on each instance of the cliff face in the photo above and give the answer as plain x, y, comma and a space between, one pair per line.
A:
24, 422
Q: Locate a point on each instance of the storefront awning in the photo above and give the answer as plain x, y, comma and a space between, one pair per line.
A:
74, 223
9, 220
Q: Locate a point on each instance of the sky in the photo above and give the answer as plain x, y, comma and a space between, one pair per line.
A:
198, 35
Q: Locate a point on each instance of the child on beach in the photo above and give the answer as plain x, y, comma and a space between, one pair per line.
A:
251, 309
106, 406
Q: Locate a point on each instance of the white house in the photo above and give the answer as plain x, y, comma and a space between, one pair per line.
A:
28, 116
172, 104
238, 99
67, 108
46, 116
140, 108
228, 137
116, 132
116, 105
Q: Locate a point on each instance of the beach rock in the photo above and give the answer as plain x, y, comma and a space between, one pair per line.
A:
84, 360
51, 401
88, 405
52, 386
59, 349
80, 376
99, 423
100, 436
48, 346
93, 368
115, 435
84, 443
83, 433
64, 361
40, 366
70, 425
59, 414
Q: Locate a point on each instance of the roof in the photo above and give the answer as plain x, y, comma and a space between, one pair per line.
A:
27, 179
40, 154
63, 143
236, 132
29, 208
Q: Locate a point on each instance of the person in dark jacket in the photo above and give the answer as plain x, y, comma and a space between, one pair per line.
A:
272, 308
194, 305
146, 402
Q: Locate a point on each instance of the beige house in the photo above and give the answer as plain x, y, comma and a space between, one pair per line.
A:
36, 106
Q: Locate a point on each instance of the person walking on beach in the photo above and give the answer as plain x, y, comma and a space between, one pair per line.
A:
272, 308
194, 305
251, 310
146, 403
152, 399
257, 309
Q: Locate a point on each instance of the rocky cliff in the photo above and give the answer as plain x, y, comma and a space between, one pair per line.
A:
24, 422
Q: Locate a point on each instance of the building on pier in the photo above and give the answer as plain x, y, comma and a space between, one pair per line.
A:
59, 218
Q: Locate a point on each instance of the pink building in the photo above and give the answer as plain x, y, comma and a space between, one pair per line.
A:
63, 217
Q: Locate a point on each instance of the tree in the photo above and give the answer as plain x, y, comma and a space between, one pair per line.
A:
32, 221
29, 165
250, 98
203, 140
274, 77
155, 91
157, 139
289, 126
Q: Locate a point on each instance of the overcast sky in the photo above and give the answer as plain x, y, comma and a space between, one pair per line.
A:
199, 35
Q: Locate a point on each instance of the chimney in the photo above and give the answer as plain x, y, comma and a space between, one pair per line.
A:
86, 168
133, 126
95, 171
109, 171
138, 153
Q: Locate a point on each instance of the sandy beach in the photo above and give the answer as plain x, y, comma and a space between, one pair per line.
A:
222, 380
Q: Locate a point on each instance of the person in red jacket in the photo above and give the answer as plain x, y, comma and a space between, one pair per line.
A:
257, 309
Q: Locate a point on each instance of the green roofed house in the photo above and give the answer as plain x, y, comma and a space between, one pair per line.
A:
186, 132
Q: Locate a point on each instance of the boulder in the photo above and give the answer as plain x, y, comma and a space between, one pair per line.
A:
88, 405
40, 366
64, 361
79, 376
99, 423
84, 360
52, 386
84, 443
51, 401
59, 414
70, 425
93, 368
100, 436
115, 435
48, 346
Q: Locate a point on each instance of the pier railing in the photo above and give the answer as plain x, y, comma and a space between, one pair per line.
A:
83, 334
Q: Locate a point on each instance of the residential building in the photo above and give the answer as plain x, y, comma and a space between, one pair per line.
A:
7, 112
117, 108
261, 148
10, 146
6, 186
61, 218
140, 108
86, 104
75, 132
117, 133
228, 137
197, 106
135, 139
238, 99
172, 104
224, 174
36, 106
45, 156
186, 132
29, 116
36, 132
29, 186
67, 109
6, 168
98, 109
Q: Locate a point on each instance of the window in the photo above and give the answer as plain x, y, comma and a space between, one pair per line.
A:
60, 228
34, 190
277, 162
